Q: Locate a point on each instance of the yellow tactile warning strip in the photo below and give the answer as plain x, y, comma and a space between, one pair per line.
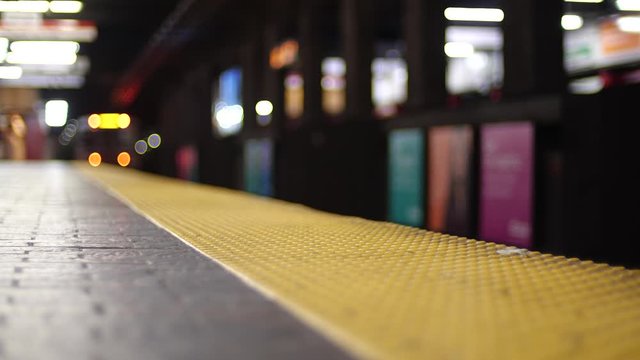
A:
394, 292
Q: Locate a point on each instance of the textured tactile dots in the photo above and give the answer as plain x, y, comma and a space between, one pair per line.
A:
84, 277
390, 291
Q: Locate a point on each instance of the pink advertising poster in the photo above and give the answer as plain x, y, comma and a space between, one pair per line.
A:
506, 183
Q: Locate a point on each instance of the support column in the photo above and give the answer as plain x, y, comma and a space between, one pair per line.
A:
357, 42
533, 47
272, 85
426, 62
252, 60
251, 82
311, 49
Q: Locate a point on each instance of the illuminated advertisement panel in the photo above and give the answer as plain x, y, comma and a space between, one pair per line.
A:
388, 85
228, 114
293, 95
474, 59
600, 44
450, 180
506, 184
333, 83
406, 178
258, 166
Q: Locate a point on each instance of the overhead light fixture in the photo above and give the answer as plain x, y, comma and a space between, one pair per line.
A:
572, 22
51, 29
10, 72
629, 24
39, 6
458, 49
628, 5
586, 86
56, 112
474, 14
43, 52
24, 6
45, 47
46, 81
65, 7
38, 59
585, 1
4, 47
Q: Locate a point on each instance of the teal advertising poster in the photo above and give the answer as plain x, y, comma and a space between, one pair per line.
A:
258, 166
406, 177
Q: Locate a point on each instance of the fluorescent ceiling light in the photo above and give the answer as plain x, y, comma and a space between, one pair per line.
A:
24, 6
334, 66
572, 22
4, 46
45, 47
481, 37
10, 72
80, 67
51, 29
38, 58
56, 113
473, 14
629, 24
585, 86
46, 82
458, 49
628, 5
585, 1
65, 7
43, 52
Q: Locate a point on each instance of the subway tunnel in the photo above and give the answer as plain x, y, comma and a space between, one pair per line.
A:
249, 179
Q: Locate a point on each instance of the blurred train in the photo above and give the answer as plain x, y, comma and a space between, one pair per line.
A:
102, 138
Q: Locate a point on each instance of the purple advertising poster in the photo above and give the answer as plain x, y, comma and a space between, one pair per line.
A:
506, 182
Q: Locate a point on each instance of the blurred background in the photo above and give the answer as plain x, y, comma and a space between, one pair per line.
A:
506, 121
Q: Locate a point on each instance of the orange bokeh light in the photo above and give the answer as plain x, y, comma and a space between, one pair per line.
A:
124, 159
95, 159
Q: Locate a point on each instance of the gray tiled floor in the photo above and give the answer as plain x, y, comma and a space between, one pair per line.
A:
84, 277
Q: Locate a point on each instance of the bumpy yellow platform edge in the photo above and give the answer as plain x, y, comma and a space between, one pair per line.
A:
385, 291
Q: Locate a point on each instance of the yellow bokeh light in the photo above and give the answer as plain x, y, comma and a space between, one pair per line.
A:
109, 121
95, 159
94, 121
124, 159
124, 120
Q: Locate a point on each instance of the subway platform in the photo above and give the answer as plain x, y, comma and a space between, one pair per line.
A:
109, 263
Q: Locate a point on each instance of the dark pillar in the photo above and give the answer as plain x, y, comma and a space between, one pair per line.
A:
533, 47
311, 50
357, 42
272, 88
253, 60
202, 93
425, 36
251, 82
